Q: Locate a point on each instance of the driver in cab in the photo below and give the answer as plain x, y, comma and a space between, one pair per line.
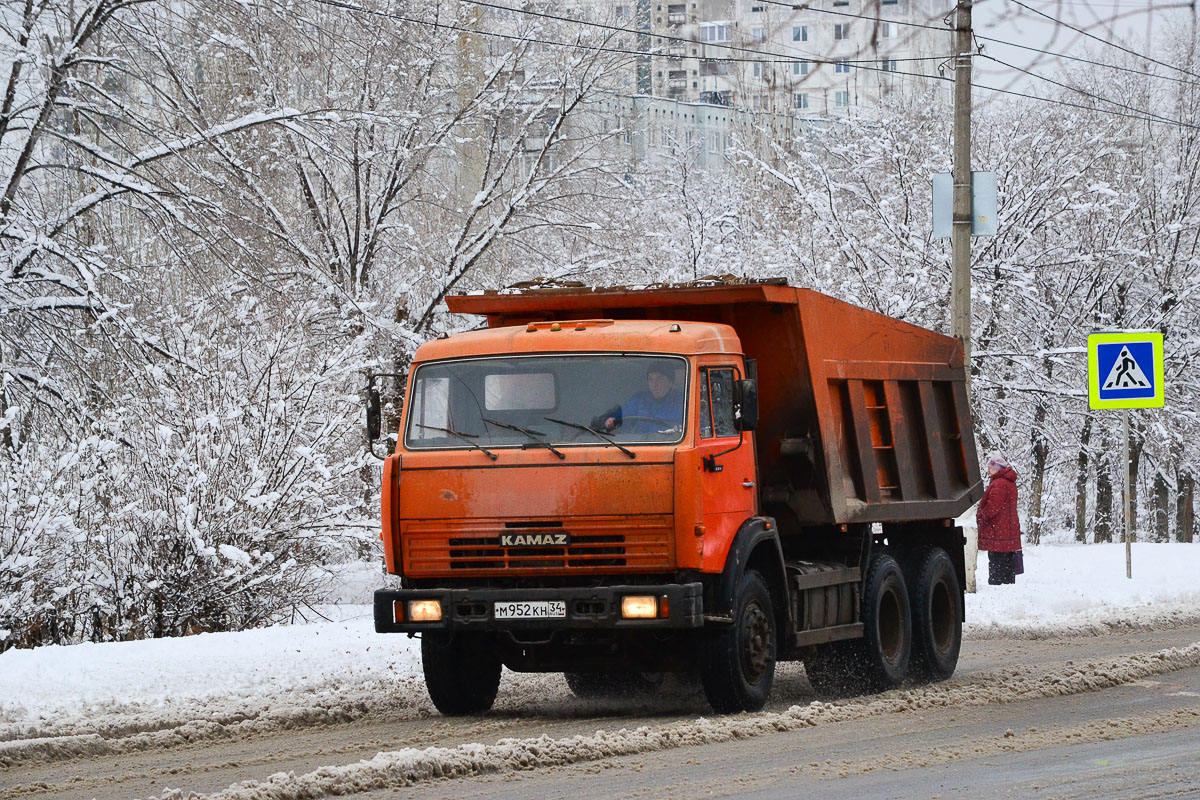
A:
659, 406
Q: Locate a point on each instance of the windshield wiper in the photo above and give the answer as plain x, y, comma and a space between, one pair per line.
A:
605, 439
534, 435
466, 437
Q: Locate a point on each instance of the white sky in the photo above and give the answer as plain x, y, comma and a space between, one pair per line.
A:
1134, 24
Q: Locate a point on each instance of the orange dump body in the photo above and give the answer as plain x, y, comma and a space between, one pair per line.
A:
863, 418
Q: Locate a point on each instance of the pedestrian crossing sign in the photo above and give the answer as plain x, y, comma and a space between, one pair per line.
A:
1125, 370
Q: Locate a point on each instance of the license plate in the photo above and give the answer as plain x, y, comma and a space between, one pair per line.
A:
526, 609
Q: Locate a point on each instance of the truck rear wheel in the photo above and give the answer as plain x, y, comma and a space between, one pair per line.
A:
738, 662
462, 673
937, 616
885, 651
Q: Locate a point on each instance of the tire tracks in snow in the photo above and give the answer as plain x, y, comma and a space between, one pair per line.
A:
413, 766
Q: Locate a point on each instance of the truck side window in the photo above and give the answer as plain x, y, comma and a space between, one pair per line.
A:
716, 403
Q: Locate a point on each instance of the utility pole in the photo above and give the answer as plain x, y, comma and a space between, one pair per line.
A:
960, 241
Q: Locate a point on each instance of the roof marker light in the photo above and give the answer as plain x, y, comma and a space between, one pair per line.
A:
556, 327
675, 328
531, 329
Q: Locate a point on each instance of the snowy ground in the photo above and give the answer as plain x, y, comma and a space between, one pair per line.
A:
57, 691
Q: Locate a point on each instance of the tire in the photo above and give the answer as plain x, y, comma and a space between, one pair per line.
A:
885, 651
737, 665
937, 616
596, 685
462, 673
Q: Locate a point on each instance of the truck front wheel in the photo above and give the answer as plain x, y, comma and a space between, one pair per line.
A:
462, 673
937, 616
738, 664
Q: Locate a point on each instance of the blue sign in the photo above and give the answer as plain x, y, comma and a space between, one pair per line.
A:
1129, 367
1125, 370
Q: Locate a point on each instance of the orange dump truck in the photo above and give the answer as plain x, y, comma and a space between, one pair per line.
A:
616, 484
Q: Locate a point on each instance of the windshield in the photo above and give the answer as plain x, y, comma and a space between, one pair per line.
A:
536, 401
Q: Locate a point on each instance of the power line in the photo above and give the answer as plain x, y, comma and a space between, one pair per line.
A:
1085, 93
1105, 41
1162, 121
1142, 73
779, 58
807, 7
669, 37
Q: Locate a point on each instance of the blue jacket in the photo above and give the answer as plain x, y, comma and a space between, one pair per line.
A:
643, 404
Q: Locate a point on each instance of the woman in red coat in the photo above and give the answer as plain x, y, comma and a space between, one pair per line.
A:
999, 528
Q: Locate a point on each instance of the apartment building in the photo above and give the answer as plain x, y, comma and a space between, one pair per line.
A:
817, 58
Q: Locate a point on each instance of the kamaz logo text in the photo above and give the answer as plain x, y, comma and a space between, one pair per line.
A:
535, 539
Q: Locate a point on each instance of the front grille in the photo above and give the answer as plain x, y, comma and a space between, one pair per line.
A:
584, 551
636, 544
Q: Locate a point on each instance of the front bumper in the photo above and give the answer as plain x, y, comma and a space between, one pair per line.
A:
591, 608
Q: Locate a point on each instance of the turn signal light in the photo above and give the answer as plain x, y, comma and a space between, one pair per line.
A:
425, 610
639, 607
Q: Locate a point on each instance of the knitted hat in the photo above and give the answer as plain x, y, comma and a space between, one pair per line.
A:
997, 461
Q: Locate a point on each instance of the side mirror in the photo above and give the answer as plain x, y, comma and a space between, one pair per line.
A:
746, 404
374, 414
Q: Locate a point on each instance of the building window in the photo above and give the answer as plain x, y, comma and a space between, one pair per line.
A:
758, 70
800, 100
841, 66
841, 99
889, 2
799, 33
799, 67
756, 9
887, 30
623, 12
887, 64
715, 32
841, 30
837, 3
758, 35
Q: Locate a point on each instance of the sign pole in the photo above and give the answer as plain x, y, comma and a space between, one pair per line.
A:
1127, 498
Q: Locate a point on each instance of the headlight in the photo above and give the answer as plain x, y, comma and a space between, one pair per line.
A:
636, 606
425, 610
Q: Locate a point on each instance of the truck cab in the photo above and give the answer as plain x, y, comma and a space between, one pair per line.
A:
584, 495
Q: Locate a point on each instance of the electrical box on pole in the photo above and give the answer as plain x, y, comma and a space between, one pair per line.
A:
984, 204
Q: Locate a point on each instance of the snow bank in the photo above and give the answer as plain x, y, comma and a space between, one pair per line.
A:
1082, 589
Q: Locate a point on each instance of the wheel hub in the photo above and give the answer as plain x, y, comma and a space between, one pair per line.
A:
756, 638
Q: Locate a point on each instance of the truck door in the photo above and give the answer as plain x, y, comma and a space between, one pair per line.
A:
729, 491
